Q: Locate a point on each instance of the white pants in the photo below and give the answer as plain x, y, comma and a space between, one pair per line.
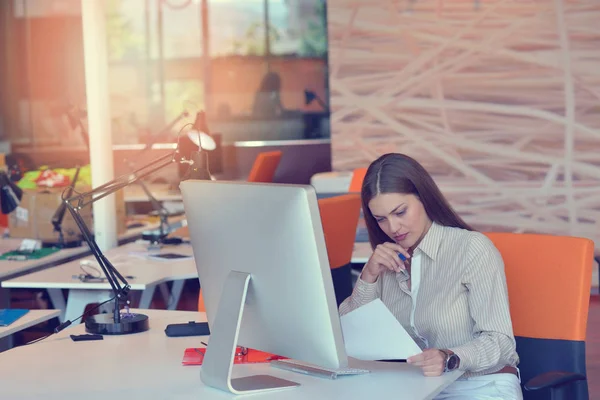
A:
486, 387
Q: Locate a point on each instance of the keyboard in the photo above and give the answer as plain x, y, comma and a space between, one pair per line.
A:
310, 369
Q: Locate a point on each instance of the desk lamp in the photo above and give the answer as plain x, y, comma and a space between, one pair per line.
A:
59, 216
200, 135
162, 212
115, 323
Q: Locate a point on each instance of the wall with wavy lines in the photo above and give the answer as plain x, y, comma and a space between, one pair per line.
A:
500, 100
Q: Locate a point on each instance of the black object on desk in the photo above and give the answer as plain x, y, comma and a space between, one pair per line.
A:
80, 338
190, 329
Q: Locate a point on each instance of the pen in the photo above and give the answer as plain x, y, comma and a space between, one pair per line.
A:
402, 256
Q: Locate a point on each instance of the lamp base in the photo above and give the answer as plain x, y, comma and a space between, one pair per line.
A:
104, 324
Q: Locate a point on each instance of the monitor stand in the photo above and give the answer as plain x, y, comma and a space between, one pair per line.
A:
218, 360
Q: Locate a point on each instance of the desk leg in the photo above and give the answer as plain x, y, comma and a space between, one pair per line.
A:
176, 290
58, 301
146, 298
4, 297
5, 342
164, 291
79, 298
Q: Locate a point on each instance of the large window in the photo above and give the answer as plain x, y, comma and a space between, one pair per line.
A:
250, 72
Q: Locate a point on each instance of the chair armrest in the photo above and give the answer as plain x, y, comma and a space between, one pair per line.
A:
552, 379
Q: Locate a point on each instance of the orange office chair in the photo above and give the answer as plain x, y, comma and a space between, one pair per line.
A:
358, 175
263, 169
339, 218
549, 280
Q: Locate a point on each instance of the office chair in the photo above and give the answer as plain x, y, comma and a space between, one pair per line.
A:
339, 218
265, 164
358, 175
549, 280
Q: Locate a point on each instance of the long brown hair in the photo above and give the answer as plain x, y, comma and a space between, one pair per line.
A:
398, 173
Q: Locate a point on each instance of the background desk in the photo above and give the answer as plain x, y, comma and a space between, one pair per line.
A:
10, 269
13, 269
33, 317
129, 259
148, 366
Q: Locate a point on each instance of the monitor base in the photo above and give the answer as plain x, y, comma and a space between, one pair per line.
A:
216, 366
260, 383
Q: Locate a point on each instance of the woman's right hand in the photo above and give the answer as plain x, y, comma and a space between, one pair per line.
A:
385, 257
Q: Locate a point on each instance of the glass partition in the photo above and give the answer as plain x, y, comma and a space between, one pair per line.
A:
257, 67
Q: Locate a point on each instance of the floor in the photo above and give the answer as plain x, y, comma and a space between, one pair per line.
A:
189, 299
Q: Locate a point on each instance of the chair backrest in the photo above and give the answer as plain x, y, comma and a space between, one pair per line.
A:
549, 281
339, 218
265, 164
358, 175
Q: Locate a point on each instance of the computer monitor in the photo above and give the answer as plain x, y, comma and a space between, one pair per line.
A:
262, 263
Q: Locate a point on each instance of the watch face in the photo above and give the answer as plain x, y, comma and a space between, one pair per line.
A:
452, 362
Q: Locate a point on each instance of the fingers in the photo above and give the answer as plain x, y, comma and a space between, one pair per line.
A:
397, 248
386, 256
431, 362
391, 256
382, 258
417, 359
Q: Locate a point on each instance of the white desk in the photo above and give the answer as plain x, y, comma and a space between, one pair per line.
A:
148, 366
9, 269
33, 317
12, 269
148, 274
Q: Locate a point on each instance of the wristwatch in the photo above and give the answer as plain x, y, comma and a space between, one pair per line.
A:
452, 360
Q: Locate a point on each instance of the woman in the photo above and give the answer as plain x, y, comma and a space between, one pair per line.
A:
460, 317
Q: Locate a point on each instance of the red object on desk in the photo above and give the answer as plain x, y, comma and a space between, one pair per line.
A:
195, 356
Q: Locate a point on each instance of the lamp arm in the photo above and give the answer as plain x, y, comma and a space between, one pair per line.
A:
156, 205
112, 275
74, 204
162, 211
125, 180
59, 214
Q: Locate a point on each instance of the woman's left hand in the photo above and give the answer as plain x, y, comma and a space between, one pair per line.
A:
431, 361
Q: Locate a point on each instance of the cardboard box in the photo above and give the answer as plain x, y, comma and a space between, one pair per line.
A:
33, 217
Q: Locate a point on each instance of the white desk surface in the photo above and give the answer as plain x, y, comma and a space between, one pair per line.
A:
12, 268
148, 366
147, 272
33, 317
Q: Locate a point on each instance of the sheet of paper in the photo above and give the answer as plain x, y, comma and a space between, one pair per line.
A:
371, 332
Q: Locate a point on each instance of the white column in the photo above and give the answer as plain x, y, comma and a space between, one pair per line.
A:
98, 109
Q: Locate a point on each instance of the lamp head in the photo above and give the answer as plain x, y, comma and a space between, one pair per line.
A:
200, 136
